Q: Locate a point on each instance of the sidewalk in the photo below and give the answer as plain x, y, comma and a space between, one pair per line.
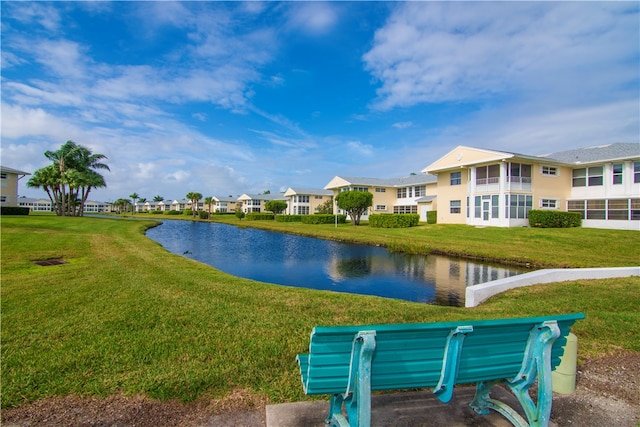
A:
410, 409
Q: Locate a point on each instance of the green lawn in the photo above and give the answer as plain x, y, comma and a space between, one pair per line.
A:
124, 315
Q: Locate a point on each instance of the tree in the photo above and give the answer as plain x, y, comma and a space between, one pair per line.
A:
194, 198
355, 203
134, 196
47, 179
209, 201
122, 205
325, 208
275, 206
158, 199
74, 177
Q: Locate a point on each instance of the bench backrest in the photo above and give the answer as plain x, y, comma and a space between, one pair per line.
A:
411, 355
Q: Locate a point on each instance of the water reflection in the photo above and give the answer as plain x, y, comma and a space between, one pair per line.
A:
321, 264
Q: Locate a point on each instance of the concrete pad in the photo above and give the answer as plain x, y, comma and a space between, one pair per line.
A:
408, 409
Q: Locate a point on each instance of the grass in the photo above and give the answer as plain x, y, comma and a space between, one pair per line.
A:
126, 316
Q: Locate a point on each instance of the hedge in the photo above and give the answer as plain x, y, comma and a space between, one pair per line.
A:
323, 219
13, 210
203, 214
172, 212
393, 220
432, 217
259, 216
554, 219
289, 218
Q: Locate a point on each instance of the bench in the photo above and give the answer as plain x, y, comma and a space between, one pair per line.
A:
349, 362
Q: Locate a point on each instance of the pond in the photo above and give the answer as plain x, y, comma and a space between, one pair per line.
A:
290, 260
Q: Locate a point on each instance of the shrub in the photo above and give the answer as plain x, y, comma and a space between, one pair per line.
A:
554, 219
188, 212
323, 219
239, 214
259, 216
203, 214
14, 210
289, 218
393, 220
172, 212
432, 217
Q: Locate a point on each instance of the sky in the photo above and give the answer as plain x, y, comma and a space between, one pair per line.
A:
226, 98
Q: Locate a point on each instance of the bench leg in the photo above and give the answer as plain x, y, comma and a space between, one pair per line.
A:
536, 366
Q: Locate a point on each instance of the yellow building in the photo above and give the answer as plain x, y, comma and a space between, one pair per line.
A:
497, 188
413, 194
306, 201
9, 178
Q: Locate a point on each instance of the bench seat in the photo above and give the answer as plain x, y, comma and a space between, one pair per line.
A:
348, 362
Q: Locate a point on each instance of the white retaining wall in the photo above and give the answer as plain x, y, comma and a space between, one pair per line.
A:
476, 294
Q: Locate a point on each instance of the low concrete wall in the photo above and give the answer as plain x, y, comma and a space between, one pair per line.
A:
476, 294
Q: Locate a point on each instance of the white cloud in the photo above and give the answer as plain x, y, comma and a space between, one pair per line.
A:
430, 52
402, 125
312, 17
359, 148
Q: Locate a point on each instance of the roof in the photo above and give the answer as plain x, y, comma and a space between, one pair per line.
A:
12, 170
308, 191
601, 153
392, 182
227, 199
262, 197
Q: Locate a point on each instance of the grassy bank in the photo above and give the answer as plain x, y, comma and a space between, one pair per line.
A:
126, 316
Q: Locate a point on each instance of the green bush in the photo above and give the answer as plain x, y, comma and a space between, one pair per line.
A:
172, 212
240, 214
432, 217
259, 216
393, 220
323, 219
289, 218
203, 214
13, 210
188, 212
554, 219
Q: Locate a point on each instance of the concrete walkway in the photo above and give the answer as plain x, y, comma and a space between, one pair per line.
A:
409, 409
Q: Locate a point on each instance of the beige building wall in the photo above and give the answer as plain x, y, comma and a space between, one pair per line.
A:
447, 193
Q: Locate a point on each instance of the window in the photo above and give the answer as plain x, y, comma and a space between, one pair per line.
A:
302, 210
579, 178
487, 175
549, 170
576, 206
3, 176
596, 209
381, 190
519, 173
478, 207
302, 199
317, 197
548, 203
636, 172
456, 178
455, 206
405, 209
595, 176
495, 206
618, 209
363, 189
635, 209
3, 199
420, 191
617, 173
381, 207
518, 205
401, 193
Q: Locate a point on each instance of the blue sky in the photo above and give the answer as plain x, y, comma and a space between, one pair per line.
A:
225, 98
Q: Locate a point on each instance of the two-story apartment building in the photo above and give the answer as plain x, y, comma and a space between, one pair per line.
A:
224, 204
9, 178
487, 187
412, 194
255, 202
306, 201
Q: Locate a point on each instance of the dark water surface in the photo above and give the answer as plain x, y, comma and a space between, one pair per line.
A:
307, 262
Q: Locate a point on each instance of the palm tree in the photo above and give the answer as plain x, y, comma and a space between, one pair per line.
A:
209, 201
47, 179
134, 197
158, 199
75, 167
194, 198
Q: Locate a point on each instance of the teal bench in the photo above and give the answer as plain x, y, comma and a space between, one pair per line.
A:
349, 362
